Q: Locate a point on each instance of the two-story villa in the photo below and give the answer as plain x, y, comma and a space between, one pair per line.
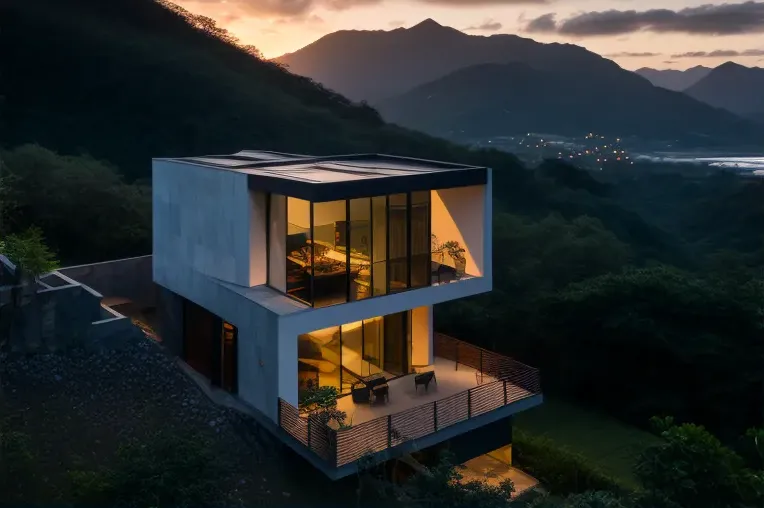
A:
284, 272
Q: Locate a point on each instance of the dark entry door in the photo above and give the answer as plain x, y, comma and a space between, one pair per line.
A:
229, 352
198, 332
397, 337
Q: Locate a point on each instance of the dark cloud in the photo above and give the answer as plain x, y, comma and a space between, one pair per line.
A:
630, 54
720, 53
544, 23
669, 61
722, 19
488, 25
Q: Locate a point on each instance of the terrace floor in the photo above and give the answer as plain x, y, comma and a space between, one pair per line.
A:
404, 396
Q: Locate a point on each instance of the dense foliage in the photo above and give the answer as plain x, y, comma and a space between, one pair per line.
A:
687, 468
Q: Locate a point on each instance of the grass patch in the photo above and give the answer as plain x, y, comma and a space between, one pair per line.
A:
606, 443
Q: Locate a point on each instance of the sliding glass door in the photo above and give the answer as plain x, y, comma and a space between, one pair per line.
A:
397, 344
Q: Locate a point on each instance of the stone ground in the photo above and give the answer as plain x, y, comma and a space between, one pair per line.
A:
78, 407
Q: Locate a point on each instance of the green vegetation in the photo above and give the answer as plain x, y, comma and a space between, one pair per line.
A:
559, 469
599, 440
29, 252
687, 467
163, 470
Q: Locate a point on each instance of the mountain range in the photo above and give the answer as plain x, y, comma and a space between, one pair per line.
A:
448, 83
673, 79
733, 87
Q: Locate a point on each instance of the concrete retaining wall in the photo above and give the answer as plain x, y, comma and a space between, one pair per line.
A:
129, 278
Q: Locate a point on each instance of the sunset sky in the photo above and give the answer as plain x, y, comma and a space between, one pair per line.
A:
663, 34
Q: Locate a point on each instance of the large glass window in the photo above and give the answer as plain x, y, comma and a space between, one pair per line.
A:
319, 359
299, 249
348, 250
398, 243
330, 253
352, 348
360, 248
373, 338
339, 355
420, 239
379, 244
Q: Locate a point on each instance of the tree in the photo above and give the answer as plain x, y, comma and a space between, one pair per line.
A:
694, 469
29, 253
441, 486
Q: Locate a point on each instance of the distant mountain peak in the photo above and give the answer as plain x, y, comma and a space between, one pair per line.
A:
731, 65
428, 23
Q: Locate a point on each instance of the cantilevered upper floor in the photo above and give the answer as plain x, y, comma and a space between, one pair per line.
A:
326, 230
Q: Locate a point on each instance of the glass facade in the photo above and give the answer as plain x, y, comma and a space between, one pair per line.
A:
348, 250
340, 355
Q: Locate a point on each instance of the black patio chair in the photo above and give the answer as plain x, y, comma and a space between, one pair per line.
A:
424, 379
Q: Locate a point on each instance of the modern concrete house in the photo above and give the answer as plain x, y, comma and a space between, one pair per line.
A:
280, 273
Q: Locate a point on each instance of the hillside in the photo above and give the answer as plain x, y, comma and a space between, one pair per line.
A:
129, 80
734, 87
495, 100
368, 65
673, 79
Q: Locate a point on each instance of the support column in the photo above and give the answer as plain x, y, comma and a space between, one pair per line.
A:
421, 329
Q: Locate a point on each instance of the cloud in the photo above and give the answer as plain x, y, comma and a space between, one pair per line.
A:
669, 61
488, 25
396, 24
720, 53
544, 23
709, 19
299, 7
631, 54
310, 19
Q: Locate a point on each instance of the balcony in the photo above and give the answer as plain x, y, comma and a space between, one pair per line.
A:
471, 382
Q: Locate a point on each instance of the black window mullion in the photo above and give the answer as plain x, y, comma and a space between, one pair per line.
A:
408, 240
313, 264
347, 250
387, 244
371, 247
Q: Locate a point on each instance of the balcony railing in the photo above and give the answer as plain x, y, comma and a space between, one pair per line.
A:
511, 381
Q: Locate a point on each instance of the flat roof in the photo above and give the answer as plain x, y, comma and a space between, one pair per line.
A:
326, 178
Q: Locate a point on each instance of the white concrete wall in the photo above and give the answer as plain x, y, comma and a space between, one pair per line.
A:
207, 220
421, 336
459, 214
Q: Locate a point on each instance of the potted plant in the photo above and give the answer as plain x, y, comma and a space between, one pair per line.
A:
456, 251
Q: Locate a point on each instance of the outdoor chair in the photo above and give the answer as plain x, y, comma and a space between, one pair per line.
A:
381, 393
360, 393
424, 379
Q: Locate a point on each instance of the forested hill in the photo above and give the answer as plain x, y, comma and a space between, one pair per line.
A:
128, 80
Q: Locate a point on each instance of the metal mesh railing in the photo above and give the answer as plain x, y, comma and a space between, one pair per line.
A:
508, 381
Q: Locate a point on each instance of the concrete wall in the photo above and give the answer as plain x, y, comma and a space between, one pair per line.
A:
129, 278
208, 220
421, 336
258, 361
